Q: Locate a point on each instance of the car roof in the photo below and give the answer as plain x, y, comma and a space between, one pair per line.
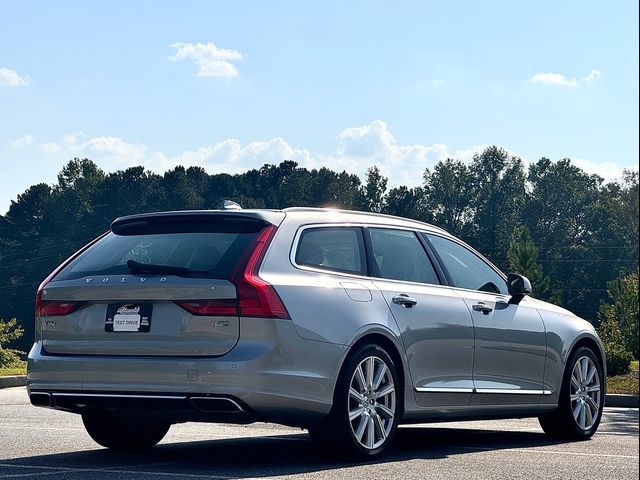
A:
304, 215
356, 216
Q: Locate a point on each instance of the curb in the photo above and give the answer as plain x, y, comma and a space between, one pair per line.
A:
13, 381
626, 401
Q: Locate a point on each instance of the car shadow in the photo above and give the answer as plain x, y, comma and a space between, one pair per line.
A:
254, 457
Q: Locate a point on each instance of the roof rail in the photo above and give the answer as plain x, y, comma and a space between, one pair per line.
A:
358, 212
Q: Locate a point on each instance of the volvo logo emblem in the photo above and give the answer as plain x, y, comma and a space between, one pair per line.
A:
125, 280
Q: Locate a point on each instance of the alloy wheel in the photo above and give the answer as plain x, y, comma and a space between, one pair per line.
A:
372, 402
585, 393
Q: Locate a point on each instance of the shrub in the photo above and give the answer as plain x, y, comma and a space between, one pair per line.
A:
9, 332
618, 359
618, 356
623, 311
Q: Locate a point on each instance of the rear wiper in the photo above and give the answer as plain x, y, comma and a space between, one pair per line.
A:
151, 269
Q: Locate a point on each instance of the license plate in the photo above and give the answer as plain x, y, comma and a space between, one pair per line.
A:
128, 317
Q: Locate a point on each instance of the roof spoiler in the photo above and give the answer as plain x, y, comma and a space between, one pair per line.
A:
187, 223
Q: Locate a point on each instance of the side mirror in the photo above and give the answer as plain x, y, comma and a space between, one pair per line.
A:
519, 286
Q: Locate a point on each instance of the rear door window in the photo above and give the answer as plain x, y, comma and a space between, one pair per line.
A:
399, 255
332, 248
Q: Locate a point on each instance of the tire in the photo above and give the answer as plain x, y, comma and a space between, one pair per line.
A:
579, 399
123, 432
375, 412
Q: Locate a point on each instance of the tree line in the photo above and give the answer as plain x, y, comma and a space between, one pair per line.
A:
567, 229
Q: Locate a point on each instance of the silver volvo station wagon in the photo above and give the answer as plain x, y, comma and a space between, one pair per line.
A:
341, 322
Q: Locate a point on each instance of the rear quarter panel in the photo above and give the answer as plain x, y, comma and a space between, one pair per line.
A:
329, 307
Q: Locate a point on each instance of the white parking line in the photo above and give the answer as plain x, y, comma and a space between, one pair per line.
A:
550, 452
29, 475
55, 470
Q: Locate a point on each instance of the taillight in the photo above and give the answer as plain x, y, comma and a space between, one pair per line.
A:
55, 308
40, 304
210, 307
257, 298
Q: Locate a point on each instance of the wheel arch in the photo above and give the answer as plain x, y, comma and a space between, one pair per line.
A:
593, 344
392, 346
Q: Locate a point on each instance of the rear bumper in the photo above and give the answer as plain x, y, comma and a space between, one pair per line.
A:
172, 407
273, 373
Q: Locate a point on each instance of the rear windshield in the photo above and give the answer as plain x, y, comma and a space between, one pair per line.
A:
207, 254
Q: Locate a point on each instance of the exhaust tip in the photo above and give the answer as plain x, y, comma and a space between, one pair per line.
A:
216, 405
40, 399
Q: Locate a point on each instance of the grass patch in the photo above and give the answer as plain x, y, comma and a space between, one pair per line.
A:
16, 370
625, 384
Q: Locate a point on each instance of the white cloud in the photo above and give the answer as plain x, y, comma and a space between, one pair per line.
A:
72, 138
358, 148
554, 79
560, 80
607, 170
116, 149
10, 78
211, 60
592, 76
374, 144
437, 81
51, 147
23, 141
109, 152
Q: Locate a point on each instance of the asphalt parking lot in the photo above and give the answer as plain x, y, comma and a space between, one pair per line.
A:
46, 444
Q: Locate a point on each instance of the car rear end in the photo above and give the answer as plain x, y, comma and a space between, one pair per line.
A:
166, 314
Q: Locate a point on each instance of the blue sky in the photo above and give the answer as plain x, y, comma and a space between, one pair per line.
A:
232, 85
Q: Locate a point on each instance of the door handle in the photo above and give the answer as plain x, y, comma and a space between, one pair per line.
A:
405, 300
482, 308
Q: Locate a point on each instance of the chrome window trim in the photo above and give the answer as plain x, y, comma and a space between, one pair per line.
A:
327, 271
443, 390
499, 391
296, 241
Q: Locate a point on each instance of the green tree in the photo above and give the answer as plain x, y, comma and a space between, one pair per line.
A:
560, 197
184, 188
374, 190
586, 231
9, 332
523, 259
449, 195
498, 198
618, 357
134, 190
622, 314
27, 251
409, 203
